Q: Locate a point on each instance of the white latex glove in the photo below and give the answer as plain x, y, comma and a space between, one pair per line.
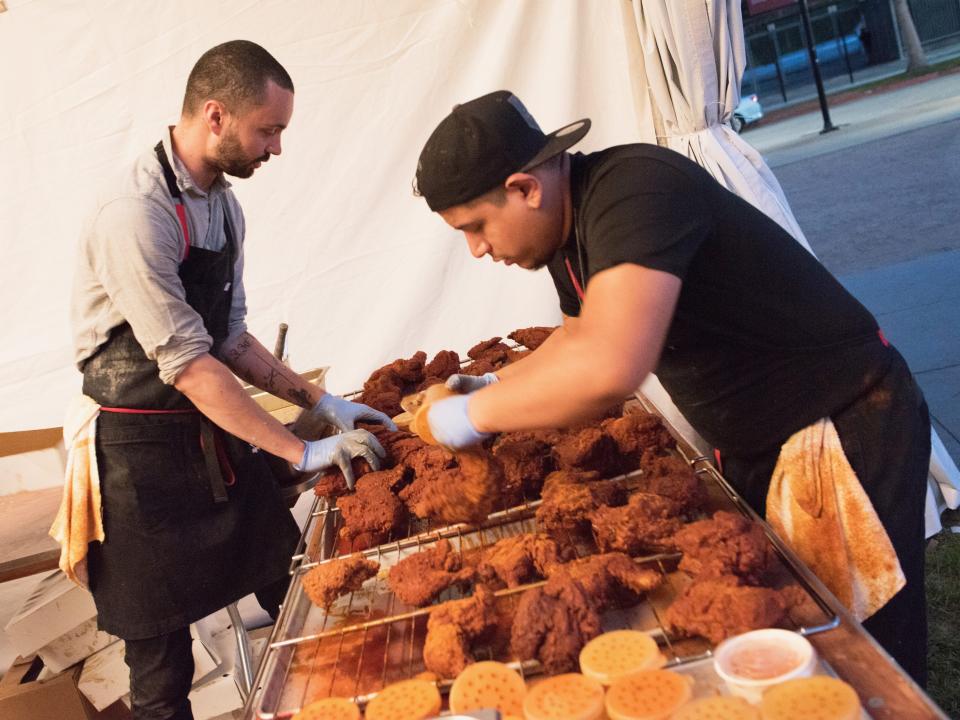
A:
339, 450
344, 414
466, 384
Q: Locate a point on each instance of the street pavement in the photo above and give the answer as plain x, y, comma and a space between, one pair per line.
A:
878, 202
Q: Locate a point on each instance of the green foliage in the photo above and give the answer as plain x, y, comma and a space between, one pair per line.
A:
943, 612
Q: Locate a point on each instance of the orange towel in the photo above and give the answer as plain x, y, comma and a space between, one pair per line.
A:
817, 504
79, 520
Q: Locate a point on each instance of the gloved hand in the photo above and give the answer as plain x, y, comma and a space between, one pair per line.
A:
468, 383
339, 450
445, 422
344, 414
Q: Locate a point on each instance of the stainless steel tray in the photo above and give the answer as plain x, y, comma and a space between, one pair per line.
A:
370, 639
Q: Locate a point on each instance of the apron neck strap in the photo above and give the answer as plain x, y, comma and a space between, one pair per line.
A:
174, 191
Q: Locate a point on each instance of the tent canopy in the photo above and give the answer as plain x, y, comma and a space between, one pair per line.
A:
337, 245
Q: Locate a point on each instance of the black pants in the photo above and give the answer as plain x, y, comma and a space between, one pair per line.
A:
161, 668
885, 435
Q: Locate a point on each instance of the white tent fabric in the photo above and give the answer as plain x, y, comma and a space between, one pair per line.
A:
337, 246
693, 57
690, 53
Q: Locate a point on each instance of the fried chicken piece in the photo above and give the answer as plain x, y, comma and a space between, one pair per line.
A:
521, 558
553, 623
610, 578
408, 371
566, 506
492, 350
549, 437
398, 445
531, 337
463, 494
328, 581
477, 368
383, 392
384, 389
444, 364
452, 627
429, 459
525, 465
372, 512
587, 449
719, 607
638, 437
726, 544
418, 579
557, 478
332, 484
646, 523
673, 478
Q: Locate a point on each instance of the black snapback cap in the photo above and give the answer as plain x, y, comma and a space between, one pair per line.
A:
480, 144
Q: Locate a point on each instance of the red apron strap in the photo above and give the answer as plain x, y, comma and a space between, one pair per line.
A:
138, 411
182, 214
576, 283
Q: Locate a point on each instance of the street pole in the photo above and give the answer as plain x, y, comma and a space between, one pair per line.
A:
815, 66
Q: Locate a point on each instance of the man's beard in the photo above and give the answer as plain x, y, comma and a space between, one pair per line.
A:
231, 159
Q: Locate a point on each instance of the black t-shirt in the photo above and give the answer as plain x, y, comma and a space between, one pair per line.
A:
764, 340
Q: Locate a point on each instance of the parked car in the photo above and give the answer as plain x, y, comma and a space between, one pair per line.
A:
746, 113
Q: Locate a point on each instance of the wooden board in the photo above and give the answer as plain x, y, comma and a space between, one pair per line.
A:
25, 546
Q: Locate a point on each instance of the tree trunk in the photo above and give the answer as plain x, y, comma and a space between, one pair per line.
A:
916, 57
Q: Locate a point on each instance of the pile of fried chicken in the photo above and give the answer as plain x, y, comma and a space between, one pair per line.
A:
417, 480
726, 556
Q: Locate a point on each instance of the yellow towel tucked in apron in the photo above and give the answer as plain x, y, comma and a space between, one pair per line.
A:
817, 504
79, 520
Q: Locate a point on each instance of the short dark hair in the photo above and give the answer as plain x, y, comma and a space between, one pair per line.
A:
234, 73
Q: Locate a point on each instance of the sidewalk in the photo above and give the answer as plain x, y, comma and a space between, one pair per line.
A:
873, 117
877, 200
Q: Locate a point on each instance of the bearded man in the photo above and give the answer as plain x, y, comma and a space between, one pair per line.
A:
192, 517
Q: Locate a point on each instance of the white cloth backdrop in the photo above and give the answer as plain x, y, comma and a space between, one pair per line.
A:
690, 56
337, 246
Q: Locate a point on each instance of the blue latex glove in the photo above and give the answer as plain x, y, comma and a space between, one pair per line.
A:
344, 414
339, 450
468, 383
450, 425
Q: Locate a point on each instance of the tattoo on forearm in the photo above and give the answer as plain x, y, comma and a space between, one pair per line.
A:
240, 349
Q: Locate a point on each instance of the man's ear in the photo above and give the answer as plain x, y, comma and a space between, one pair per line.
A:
529, 185
213, 115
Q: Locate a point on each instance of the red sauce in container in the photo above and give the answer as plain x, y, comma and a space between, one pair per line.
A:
762, 660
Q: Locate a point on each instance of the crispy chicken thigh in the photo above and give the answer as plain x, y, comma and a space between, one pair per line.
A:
520, 559
418, 579
567, 504
726, 544
453, 626
717, 608
553, 623
328, 581
646, 523
610, 578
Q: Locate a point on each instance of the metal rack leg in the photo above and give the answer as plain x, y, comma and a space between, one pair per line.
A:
245, 674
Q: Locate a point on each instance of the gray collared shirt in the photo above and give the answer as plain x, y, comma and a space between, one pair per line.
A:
129, 260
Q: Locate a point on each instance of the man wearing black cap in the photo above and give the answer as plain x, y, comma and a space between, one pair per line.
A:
660, 269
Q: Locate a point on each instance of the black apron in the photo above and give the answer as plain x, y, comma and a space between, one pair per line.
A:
192, 516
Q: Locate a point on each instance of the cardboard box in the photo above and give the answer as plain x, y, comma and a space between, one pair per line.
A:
106, 677
75, 645
55, 608
22, 696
